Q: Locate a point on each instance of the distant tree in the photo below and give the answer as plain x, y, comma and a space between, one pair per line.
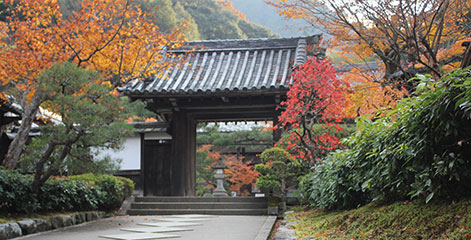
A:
203, 19
205, 158
214, 22
162, 13
238, 173
183, 16
277, 172
220, 21
257, 139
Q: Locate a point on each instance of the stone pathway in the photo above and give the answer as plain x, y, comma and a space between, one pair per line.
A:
184, 227
161, 227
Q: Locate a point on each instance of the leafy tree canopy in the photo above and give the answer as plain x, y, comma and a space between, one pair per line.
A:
88, 115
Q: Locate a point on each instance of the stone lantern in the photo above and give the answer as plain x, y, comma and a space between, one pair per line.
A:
219, 191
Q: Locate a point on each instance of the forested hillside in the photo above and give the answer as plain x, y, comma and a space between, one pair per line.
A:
261, 13
207, 19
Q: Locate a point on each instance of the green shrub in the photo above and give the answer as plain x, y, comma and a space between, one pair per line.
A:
112, 190
420, 149
329, 185
75, 193
68, 195
128, 186
277, 173
15, 192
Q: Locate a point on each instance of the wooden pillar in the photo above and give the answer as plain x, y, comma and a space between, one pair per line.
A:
183, 154
190, 167
277, 132
141, 172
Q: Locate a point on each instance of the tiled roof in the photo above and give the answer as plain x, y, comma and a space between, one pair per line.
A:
362, 67
229, 66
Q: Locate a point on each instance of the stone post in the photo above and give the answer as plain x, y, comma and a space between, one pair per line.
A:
219, 191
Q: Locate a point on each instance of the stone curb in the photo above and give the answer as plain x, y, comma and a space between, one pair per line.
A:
266, 229
125, 206
30, 226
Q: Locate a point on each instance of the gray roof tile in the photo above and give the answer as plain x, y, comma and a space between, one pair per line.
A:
228, 66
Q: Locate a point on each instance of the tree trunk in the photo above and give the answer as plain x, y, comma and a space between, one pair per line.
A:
283, 193
39, 169
17, 145
40, 177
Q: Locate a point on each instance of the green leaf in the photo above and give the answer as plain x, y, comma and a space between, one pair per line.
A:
429, 197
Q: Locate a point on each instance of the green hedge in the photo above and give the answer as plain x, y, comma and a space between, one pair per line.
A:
75, 193
421, 149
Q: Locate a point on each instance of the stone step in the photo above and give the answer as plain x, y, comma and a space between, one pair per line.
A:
199, 205
198, 211
200, 199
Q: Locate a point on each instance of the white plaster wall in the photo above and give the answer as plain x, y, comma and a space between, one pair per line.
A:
130, 154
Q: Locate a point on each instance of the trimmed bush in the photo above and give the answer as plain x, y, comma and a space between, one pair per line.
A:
15, 192
75, 193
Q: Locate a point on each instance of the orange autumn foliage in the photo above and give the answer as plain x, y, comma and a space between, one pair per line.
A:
114, 38
407, 36
238, 173
367, 96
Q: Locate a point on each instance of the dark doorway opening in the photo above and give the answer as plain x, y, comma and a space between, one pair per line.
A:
157, 171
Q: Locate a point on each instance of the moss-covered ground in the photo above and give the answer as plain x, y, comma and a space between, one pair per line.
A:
400, 220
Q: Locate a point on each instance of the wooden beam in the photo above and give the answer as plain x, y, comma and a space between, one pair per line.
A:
277, 99
234, 119
173, 101
259, 111
230, 107
246, 93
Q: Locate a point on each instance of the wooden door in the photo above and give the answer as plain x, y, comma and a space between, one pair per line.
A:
157, 168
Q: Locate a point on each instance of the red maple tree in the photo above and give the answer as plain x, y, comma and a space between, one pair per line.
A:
314, 105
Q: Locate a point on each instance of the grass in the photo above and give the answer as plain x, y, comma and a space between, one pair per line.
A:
400, 220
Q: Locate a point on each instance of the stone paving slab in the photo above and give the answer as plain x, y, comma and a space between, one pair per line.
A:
169, 224
140, 236
156, 229
190, 216
180, 219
